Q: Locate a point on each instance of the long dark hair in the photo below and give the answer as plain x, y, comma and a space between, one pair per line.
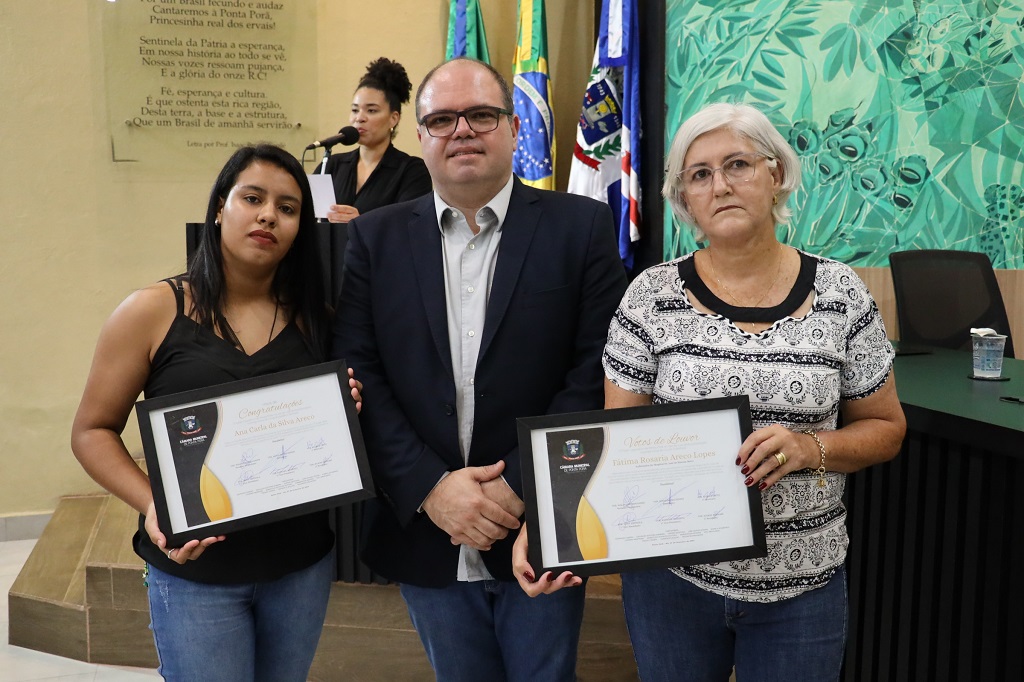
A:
299, 281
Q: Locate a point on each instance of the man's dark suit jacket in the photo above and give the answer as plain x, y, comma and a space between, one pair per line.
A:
557, 282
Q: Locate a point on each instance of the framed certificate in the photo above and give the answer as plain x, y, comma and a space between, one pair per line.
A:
638, 488
245, 453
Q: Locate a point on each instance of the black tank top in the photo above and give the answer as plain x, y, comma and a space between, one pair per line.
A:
191, 357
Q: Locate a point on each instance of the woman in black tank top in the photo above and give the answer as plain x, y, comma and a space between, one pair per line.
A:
253, 302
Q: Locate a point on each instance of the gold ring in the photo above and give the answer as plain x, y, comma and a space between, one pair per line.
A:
781, 457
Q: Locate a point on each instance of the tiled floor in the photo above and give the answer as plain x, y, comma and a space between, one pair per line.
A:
22, 665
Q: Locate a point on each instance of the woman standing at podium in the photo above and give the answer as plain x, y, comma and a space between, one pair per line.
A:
376, 173
799, 335
249, 606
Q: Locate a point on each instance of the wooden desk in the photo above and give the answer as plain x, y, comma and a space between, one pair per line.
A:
936, 560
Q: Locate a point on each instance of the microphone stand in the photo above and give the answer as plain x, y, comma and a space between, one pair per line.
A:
323, 171
323, 163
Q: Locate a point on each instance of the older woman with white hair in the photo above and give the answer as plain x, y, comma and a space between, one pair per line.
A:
801, 336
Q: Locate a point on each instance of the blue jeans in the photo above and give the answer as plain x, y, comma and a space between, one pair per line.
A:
239, 633
681, 632
491, 630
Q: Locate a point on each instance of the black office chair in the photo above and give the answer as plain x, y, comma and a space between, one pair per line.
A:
940, 295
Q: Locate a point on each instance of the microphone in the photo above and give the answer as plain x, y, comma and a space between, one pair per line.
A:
346, 136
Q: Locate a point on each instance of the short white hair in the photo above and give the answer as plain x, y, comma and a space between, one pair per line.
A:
745, 121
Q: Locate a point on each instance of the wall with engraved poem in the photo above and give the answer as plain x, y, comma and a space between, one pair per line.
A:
188, 80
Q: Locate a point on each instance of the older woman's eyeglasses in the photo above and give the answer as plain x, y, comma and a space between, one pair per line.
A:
740, 168
481, 119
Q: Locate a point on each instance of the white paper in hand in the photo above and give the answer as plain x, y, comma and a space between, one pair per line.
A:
323, 194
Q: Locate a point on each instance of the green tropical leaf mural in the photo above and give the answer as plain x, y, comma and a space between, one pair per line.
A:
908, 116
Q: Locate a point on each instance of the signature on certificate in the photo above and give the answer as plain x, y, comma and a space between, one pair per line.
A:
324, 461
630, 519
674, 495
715, 514
627, 519
630, 497
283, 453
672, 518
707, 495
286, 469
247, 478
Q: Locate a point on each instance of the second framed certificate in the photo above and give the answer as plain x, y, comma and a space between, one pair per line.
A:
639, 488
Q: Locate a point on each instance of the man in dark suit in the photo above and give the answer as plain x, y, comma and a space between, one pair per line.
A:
485, 301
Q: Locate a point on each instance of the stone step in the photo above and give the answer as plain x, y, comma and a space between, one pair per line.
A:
116, 600
81, 595
113, 572
368, 636
46, 603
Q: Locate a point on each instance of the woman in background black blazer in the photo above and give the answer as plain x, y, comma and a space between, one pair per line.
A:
376, 173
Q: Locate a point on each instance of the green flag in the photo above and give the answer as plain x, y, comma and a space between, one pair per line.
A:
466, 35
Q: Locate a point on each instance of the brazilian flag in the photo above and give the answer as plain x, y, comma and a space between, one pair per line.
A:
534, 160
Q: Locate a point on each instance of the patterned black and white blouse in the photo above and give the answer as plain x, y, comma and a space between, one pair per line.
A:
796, 372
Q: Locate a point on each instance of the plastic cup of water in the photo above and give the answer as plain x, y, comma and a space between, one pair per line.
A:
988, 355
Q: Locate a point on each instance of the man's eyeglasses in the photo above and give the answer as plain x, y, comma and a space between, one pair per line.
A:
482, 119
740, 168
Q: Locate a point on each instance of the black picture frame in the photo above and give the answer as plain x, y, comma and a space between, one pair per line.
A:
178, 423
577, 424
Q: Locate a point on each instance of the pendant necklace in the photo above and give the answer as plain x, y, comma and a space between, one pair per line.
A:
721, 284
270, 336
714, 273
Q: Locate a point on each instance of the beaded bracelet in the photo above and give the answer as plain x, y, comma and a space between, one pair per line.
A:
821, 467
